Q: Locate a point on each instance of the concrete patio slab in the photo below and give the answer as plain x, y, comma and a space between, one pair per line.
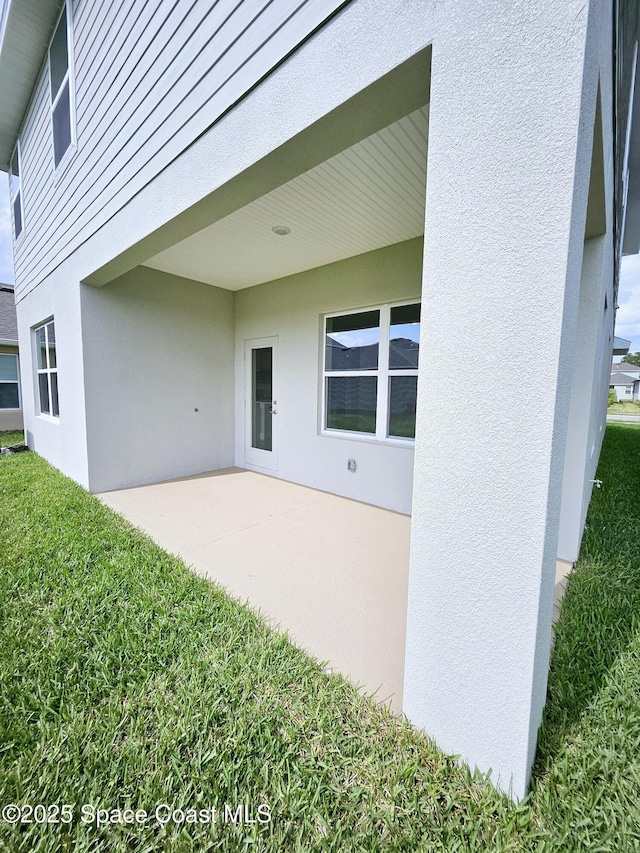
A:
331, 571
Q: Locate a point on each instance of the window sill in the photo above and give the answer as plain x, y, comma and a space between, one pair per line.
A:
343, 435
51, 419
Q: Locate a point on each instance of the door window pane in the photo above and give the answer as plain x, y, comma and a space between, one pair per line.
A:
352, 402
352, 341
402, 406
262, 398
404, 337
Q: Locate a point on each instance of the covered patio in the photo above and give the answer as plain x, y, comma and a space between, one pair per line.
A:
330, 571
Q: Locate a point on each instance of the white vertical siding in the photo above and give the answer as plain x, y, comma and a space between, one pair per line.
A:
150, 78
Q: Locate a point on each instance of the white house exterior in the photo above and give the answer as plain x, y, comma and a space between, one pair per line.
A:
214, 202
623, 387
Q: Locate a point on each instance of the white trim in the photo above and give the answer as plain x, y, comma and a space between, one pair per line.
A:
254, 457
69, 78
48, 370
383, 374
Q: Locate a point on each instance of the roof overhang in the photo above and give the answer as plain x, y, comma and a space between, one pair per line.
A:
620, 346
26, 27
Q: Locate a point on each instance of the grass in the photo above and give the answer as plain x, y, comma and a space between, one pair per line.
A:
126, 681
11, 436
624, 407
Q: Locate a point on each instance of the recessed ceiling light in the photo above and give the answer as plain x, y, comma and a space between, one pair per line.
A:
281, 230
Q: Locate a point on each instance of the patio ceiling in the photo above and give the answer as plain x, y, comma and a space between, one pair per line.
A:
369, 196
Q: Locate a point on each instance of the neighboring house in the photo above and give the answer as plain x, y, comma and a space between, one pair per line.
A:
216, 205
625, 381
10, 398
632, 370
623, 386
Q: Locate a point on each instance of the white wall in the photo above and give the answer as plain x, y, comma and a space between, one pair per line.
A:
62, 441
157, 347
292, 309
511, 127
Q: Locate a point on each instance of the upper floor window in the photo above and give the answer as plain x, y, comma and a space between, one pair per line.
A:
15, 192
47, 369
371, 371
61, 86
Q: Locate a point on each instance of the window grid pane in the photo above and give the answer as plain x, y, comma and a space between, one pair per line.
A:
352, 341
61, 118
43, 385
58, 55
370, 371
55, 411
8, 367
47, 371
352, 403
17, 216
9, 398
404, 337
402, 406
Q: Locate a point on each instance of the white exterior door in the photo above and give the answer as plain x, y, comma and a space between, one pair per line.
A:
261, 406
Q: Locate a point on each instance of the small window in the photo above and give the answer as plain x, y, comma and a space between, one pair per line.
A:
15, 192
9, 386
371, 371
61, 86
47, 369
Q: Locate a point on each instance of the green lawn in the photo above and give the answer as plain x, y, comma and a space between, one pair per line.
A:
126, 681
625, 407
11, 436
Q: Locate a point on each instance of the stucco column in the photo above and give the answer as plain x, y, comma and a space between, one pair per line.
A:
584, 433
510, 139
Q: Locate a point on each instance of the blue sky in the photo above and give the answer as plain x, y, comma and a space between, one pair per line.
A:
627, 320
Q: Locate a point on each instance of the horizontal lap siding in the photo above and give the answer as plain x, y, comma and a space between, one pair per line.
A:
150, 78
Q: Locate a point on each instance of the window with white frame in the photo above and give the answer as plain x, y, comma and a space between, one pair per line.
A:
9, 390
15, 192
47, 369
371, 371
60, 80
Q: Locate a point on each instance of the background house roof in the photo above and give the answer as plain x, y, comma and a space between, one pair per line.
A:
8, 322
621, 379
26, 27
624, 367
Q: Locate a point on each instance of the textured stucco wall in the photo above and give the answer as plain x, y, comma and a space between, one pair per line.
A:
511, 120
157, 347
62, 441
292, 309
584, 432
